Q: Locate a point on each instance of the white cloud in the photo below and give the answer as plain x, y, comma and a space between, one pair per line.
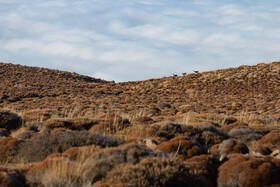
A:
225, 40
232, 10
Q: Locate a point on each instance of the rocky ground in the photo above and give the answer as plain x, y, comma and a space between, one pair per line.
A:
216, 128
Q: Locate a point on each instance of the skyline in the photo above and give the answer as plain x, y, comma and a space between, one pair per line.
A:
138, 40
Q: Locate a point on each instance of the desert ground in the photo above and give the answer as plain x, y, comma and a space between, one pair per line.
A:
216, 128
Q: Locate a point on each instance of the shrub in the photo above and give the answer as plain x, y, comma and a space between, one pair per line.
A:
235, 125
247, 136
26, 135
180, 144
206, 134
9, 120
59, 170
11, 177
262, 149
156, 171
205, 167
245, 170
271, 140
106, 159
40, 146
73, 124
4, 133
39, 114
231, 146
141, 132
8, 149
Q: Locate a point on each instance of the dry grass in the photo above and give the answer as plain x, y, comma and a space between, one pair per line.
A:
63, 171
21, 166
256, 122
188, 118
15, 133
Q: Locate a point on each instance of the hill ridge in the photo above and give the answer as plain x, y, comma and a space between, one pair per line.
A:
254, 89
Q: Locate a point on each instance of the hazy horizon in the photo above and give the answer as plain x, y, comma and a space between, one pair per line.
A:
137, 40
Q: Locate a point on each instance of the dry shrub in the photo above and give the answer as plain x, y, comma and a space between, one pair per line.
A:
276, 153
229, 120
141, 132
107, 128
214, 150
26, 135
247, 136
9, 120
212, 118
8, 149
4, 133
206, 133
73, 124
205, 166
245, 170
58, 123
168, 129
39, 114
101, 128
11, 178
75, 153
106, 159
156, 171
181, 145
209, 137
262, 149
148, 142
82, 123
59, 171
43, 145
113, 119
235, 125
88, 167
231, 146
151, 143
142, 120
103, 184
271, 140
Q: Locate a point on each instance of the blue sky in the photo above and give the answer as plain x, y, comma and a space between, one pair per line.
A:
139, 39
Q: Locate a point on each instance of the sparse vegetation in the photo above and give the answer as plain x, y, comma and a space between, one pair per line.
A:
216, 128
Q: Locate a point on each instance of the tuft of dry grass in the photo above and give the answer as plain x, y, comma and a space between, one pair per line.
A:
60, 171
15, 133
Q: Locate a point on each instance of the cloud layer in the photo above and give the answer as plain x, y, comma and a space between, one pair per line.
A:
138, 39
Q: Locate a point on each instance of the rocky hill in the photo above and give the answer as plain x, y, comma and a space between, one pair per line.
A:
216, 128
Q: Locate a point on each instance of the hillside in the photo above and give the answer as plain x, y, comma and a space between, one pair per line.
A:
246, 89
63, 129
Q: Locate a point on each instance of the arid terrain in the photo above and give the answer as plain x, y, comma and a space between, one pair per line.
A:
215, 128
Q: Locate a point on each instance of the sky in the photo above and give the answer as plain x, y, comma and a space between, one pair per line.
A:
129, 40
